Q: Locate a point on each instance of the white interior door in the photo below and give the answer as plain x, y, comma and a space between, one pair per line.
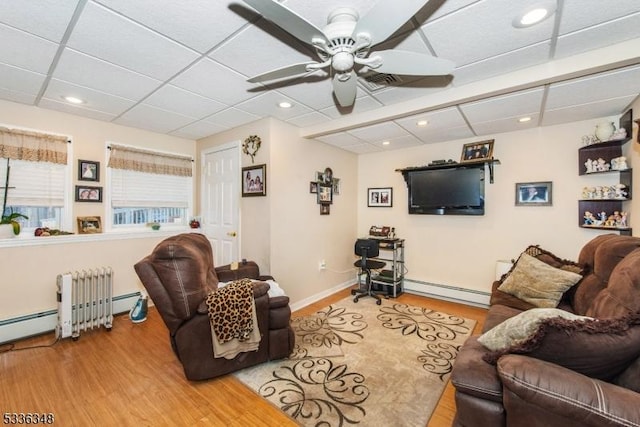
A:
220, 202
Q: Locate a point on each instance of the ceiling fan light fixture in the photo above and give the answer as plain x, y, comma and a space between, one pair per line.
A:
534, 14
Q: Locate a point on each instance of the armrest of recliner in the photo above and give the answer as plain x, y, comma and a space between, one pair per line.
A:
565, 394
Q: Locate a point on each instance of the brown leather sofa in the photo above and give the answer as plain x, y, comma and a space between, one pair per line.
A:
543, 387
178, 275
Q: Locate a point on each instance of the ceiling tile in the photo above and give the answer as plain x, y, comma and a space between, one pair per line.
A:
129, 45
483, 30
200, 25
342, 139
585, 90
363, 148
506, 106
65, 107
579, 14
151, 118
94, 73
397, 143
172, 98
309, 119
362, 104
18, 79
506, 124
94, 100
45, 18
231, 117
198, 130
266, 104
212, 80
573, 113
16, 96
379, 132
25, 50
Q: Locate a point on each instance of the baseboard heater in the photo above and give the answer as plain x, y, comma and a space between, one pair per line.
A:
448, 293
20, 327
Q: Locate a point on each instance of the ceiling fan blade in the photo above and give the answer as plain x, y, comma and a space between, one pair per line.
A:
287, 19
412, 63
385, 18
345, 90
283, 72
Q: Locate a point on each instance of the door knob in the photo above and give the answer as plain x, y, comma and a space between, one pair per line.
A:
231, 234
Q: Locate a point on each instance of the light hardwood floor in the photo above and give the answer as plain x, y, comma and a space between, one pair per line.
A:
129, 376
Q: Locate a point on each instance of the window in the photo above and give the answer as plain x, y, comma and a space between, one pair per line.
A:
147, 186
37, 170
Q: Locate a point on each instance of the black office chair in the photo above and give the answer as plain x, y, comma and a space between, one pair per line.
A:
366, 249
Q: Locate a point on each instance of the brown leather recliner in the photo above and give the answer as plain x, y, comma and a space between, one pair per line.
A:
178, 275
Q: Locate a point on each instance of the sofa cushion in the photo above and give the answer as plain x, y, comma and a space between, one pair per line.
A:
597, 348
537, 282
521, 328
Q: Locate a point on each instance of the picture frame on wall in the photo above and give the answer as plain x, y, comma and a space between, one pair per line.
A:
89, 224
88, 170
325, 194
380, 197
477, 151
534, 193
88, 194
254, 181
325, 209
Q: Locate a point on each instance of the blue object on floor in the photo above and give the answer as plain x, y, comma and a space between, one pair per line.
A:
138, 313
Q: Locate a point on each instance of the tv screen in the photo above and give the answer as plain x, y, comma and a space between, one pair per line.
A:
453, 191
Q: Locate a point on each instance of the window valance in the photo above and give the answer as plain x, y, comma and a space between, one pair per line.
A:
20, 144
135, 159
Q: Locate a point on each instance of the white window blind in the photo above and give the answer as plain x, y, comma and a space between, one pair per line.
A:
33, 183
140, 189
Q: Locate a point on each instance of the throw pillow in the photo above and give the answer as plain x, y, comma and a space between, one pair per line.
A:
522, 327
600, 349
549, 258
537, 282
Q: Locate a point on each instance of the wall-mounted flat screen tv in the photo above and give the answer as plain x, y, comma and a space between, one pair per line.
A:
452, 191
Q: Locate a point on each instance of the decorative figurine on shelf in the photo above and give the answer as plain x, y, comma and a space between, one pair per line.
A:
588, 165
619, 163
586, 193
611, 221
622, 223
589, 219
619, 134
601, 165
602, 217
589, 140
598, 193
620, 191
605, 130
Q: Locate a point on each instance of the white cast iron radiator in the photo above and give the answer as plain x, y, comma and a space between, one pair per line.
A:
85, 301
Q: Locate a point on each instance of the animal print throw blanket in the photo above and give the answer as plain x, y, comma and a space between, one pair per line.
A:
234, 323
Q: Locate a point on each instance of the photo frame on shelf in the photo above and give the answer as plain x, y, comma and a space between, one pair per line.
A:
89, 225
88, 170
254, 180
380, 197
325, 194
88, 194
534, 193
477, 151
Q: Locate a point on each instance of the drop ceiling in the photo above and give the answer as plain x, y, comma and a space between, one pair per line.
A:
181, 68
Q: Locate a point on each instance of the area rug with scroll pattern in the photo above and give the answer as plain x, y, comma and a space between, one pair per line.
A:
363, 364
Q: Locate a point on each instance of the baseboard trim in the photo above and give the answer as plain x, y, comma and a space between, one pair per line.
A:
21, 327
448, 293
317, 297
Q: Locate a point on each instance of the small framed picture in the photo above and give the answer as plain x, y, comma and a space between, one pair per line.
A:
380, 197
477, 151
533, 193
254, 181
88, 194
89, 225
88, 170
313, 187
336, 186
325, 209
325, 194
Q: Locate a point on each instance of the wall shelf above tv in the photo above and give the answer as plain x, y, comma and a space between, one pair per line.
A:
480, 163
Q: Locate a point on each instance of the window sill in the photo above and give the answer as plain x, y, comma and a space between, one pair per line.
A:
30, 240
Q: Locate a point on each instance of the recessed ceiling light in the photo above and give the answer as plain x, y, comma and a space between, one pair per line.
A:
524, 119
534, 14
73, 99
285, 104
422, 123
386, 142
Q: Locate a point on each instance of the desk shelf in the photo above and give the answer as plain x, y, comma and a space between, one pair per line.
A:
390, 280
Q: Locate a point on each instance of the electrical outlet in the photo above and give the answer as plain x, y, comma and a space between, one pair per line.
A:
322, 265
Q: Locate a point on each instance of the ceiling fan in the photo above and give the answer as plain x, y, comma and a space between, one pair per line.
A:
343, 45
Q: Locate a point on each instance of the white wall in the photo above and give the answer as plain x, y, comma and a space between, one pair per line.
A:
284, 231
28, 274
461, 251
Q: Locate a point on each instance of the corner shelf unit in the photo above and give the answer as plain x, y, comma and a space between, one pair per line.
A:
606, 151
